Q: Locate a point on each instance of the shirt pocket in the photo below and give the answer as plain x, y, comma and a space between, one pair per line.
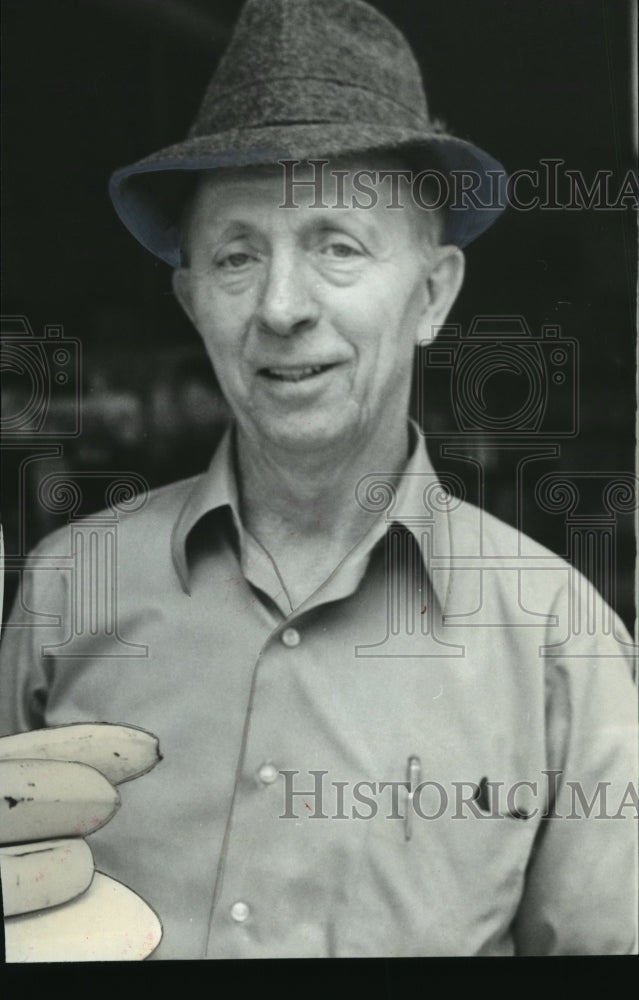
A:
446, 882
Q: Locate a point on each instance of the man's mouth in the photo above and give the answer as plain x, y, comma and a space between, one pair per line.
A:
294, 373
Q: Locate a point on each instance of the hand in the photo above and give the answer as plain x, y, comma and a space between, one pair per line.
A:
56, 787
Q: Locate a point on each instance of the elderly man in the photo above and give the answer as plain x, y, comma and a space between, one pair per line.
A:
380, 734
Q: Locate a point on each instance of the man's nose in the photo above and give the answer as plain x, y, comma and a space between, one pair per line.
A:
287, 303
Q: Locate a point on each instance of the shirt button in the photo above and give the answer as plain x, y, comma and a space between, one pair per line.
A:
240, 912
268, 773
291, 637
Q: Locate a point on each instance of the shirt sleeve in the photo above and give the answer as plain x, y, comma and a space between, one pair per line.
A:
36, 620
581, 887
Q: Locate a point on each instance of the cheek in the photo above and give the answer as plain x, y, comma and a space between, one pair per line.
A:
384, 325
210, 311
388, 333
220, 325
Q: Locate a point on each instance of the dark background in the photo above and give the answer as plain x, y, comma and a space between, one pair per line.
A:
89, 85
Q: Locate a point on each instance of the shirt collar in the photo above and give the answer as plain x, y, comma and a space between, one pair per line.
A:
214, 489
417, 501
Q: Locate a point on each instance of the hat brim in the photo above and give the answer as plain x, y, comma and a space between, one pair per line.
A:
149, 196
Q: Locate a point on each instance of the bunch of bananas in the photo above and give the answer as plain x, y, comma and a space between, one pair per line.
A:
57, 786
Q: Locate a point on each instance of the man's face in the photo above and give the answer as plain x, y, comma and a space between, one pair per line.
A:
310, 315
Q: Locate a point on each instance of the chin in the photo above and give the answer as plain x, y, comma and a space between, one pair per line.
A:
303, 434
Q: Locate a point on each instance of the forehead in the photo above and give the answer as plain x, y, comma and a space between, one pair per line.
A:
356, 190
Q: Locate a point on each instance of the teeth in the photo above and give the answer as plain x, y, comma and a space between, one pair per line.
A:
294, 374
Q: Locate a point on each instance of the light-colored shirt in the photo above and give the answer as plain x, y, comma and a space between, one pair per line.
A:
446, 648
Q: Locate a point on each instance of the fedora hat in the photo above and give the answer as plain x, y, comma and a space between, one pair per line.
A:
303, 79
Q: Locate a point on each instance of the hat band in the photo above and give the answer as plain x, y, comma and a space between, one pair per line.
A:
291, 100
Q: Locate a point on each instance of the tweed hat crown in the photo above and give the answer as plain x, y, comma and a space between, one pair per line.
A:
302, 79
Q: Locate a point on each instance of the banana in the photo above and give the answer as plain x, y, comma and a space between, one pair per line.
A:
36, 876
106, 923
44, 799
121, 753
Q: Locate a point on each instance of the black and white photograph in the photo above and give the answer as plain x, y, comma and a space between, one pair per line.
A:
319, 484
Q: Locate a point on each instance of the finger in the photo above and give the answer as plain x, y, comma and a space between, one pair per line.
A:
44, 799
106, 923
46, 873
121, 753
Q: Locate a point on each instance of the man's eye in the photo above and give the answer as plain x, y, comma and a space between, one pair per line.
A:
235, 261
342, 251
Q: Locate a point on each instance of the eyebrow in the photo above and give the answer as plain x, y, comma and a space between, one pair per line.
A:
232, 229
352, 221
332, 220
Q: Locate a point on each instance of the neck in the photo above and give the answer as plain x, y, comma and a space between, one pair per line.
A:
311, 495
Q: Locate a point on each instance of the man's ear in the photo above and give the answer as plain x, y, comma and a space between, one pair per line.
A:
183, 291
444, 279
